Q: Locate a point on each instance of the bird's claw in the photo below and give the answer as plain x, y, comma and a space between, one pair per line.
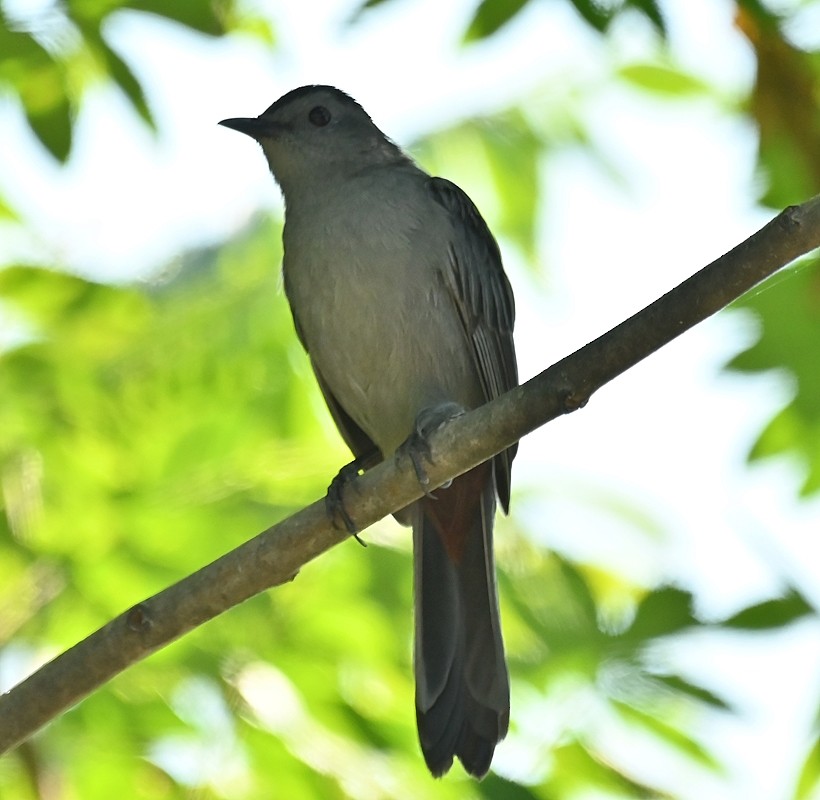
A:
417, 449
417, 446
334, 500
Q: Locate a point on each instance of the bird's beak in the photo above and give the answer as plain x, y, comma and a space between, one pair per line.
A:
255, 127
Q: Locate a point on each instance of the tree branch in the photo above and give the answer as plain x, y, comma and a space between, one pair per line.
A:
276, 555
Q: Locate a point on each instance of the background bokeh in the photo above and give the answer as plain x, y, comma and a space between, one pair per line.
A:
660, 572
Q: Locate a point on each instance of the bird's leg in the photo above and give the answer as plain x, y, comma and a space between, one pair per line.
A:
417, 445
334, 500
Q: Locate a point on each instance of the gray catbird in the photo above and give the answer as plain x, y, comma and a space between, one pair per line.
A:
399, 297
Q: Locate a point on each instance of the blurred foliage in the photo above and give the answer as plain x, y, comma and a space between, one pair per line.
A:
809, 781
492, 15
788, 312
785, 106
146, 429
52, 53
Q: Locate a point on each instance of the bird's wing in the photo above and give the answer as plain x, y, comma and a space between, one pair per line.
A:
361, 445
482, 295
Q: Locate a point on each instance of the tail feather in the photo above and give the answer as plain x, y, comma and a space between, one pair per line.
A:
462, 686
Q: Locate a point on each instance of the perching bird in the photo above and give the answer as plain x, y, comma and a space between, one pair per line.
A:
400, 299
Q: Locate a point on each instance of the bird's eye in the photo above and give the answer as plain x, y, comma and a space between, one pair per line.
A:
319, 116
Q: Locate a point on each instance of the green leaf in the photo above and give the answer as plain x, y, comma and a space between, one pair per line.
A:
652, 11
7, 212
789, 315
662, 612
494, 787
491, 16
577, 768
669, 734
597, 15
53, 127
61, 304
808, 783
684, 687
513, 152
784, 106
18, 47
363, 8
788, 311
212, 18
256, 25
771, 613
44, 93
126, 80
663, 80
556, 615
580, 592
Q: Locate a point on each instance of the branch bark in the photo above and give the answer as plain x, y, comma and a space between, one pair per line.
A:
276, 555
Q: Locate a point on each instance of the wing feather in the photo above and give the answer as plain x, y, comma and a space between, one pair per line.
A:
483, 297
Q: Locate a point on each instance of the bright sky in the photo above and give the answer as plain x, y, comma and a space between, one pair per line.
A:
668, 439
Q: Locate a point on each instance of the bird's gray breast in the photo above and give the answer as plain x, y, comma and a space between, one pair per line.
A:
362, 269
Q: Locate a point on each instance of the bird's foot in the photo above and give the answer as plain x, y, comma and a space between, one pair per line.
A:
334, 499
417, 445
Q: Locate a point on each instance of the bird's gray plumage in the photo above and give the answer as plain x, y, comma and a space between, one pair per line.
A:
400, 299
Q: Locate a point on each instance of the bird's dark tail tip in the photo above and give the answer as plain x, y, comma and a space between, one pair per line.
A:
462, 686
474, 749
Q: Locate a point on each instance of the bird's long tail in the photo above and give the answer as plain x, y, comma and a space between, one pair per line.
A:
462, 686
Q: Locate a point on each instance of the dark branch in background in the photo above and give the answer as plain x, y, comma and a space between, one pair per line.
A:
276, 555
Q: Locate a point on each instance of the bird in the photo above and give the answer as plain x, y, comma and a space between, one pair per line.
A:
398, 295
